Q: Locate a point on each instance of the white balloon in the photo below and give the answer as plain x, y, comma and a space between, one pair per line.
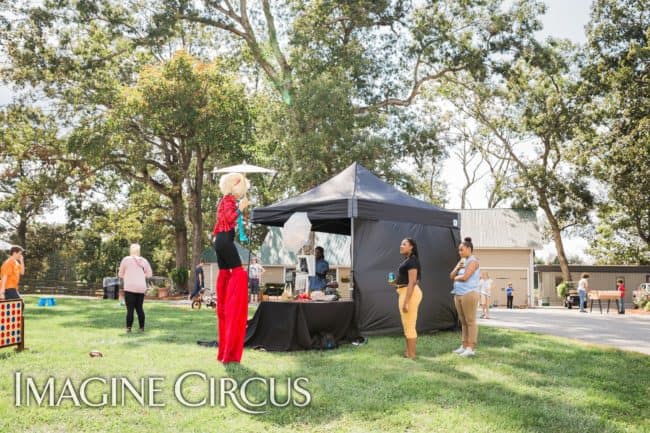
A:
295, 232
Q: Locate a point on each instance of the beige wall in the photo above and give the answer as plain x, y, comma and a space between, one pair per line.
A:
503, 266
503, 258
273, 274
597, 281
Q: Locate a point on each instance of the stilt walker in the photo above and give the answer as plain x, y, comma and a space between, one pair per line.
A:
232, 280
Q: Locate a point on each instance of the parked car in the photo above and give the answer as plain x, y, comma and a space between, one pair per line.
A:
641, 295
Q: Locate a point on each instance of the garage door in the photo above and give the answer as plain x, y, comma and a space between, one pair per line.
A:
501, 278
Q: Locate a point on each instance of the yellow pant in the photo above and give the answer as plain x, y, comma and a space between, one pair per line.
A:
466, 307
409, 319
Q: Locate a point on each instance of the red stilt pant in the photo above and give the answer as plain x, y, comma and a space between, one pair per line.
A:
222, 284
232, 313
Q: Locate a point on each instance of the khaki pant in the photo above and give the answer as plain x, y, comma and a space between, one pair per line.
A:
409, 320
466, 306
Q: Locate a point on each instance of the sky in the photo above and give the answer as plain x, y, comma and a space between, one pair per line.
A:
563, 19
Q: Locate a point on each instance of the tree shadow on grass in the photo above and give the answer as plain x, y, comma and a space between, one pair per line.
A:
163, 323
376, 384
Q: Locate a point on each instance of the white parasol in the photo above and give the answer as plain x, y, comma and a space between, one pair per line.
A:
244, 168
295, 232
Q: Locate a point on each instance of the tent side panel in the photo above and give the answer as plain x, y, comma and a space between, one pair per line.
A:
376, 251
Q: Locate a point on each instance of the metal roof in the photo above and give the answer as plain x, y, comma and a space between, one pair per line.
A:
623, 269
501, 228
273, 253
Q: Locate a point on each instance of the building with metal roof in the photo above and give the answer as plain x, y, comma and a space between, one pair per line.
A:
505, 241
601, 277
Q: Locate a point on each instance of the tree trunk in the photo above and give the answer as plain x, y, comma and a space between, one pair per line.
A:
557, 238
195, 215
21, 231
180, 232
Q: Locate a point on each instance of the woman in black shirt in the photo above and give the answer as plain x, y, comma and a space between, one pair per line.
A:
410, 295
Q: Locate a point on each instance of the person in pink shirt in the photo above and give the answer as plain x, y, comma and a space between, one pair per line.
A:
134, 271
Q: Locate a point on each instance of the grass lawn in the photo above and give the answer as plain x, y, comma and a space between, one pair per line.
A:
519, 382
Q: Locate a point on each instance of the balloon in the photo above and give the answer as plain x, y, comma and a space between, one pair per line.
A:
295, 232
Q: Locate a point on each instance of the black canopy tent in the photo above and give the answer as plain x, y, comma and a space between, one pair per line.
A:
378, 216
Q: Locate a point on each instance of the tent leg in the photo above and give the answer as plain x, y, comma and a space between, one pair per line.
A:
352, 257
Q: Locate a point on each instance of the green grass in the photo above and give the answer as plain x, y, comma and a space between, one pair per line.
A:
519, 382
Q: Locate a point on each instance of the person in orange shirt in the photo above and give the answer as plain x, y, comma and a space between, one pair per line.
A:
10, 274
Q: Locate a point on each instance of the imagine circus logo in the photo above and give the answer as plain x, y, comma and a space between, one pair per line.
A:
115, 391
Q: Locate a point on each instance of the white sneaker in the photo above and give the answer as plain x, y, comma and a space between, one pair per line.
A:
460, 350
468, 352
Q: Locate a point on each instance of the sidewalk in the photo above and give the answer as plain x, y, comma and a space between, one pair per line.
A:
623, 331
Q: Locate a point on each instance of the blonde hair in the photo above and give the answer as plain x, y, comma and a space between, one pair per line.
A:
134, 250
233, 183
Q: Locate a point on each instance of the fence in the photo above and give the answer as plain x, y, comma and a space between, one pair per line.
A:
54, 287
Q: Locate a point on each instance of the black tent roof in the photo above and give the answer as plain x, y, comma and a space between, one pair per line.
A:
354, 193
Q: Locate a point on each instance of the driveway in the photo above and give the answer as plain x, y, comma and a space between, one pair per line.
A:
623, 331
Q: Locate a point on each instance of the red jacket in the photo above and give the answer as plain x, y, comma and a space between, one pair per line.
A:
621, 290
227, 213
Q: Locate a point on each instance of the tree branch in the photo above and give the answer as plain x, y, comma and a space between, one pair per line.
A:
417, 84
273, 39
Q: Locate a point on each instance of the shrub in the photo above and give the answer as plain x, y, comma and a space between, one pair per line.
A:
179, 276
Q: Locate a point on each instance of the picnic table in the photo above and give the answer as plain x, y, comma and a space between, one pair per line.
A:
604, 295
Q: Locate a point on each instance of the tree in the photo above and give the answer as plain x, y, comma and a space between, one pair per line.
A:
342, 70
535, 115
337, 67
615, 241
32, 172
616, 81
162, 131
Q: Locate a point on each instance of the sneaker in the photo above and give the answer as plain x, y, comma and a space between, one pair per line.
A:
128, 330
460, 350
468, 352
141, 330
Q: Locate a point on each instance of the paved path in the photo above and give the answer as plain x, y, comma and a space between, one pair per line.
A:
627, 332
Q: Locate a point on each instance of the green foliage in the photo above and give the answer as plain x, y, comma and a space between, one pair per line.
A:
615, 240
615, 80
179, 276
563, 289
32, 172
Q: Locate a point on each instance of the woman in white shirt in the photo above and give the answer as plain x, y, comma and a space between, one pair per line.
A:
485, 285
583, 286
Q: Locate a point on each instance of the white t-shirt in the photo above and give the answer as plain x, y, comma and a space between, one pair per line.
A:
485, 286
582, 285
255, 271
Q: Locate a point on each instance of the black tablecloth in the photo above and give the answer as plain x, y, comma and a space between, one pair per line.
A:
284, 326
